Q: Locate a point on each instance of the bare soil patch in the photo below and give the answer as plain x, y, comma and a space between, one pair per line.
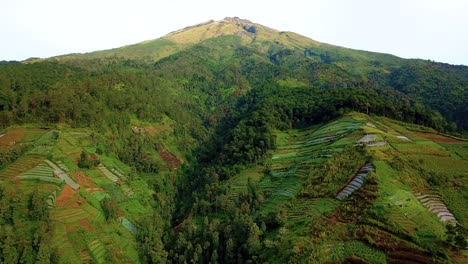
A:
85, 224
12, 137
66, 195
17, 182
440, 138
152, 130
83, 179
172, 161
71, 229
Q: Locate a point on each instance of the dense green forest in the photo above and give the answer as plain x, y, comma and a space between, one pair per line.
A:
228, 101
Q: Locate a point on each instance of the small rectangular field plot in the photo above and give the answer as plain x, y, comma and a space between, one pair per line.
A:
341, 250
23, 164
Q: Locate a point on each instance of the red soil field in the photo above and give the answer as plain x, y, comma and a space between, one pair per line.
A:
172, 162
85, 224
12, 137
119, 213
83, 179
66, 195
440, 138
432, 137
71, 229
17, 182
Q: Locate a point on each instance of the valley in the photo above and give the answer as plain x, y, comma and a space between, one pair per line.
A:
232, 142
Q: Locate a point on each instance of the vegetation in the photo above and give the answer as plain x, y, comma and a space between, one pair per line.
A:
231, 148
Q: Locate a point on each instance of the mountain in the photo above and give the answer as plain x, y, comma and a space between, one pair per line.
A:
229, 141
429, 82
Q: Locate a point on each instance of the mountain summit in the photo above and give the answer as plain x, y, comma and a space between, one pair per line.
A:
250, 32
180, 39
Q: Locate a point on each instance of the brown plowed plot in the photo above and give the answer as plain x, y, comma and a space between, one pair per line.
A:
71, 229
440, 138
119, 213
66, 195
83, 179
11, 137
154, 130
413, 135
354, 135
170, 159
85, 224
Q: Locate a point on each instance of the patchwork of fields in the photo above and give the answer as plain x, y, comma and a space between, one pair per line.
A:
80, 232
358, 188
383, 198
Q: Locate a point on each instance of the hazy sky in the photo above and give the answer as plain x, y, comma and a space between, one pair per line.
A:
427, 29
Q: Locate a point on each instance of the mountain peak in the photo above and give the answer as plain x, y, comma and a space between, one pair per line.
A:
236, 20
199, 32
248, 31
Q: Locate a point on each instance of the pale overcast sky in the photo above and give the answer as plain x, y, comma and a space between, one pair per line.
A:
427, 29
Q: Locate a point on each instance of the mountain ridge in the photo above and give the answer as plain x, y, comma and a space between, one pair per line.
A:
233, 26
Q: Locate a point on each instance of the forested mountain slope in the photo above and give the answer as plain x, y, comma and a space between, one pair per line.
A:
231, 142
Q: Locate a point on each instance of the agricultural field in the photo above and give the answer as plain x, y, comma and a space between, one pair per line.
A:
81, 232
387, 195
356, 189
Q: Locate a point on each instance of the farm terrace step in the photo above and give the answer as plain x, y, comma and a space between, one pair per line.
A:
62, 175
367, 138
377, 144
433, 202
403, 138
356, 182
107, 173
128, 225
319, 140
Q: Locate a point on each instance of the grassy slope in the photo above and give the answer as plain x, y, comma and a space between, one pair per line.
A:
154, 50
292, 165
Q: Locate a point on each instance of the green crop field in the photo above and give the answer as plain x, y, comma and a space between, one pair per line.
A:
21, 165
343, 250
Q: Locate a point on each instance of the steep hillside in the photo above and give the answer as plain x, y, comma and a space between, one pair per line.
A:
231, 142
440, 86
358, 189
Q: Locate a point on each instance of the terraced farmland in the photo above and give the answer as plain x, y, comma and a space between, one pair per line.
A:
433, 202
80, 232
107, 173
392, 150
356, 182
298, 152
392, 204
22, 165
42, 172
349, 249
